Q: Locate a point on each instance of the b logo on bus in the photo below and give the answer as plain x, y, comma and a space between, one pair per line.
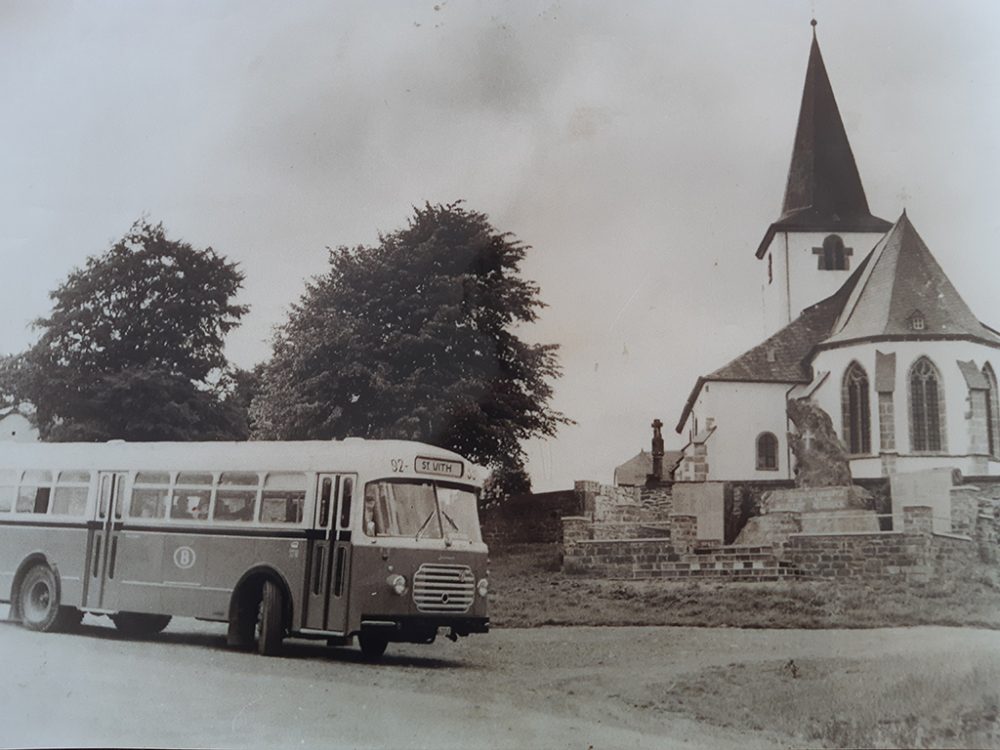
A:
184, 558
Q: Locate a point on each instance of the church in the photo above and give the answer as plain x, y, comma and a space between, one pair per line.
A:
862, 323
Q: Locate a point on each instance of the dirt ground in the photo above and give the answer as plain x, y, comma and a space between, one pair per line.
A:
546, 687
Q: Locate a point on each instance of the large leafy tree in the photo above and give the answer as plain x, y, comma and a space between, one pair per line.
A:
133, 347
416, 338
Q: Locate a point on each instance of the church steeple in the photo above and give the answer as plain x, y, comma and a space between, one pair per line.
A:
824, 188
824, 191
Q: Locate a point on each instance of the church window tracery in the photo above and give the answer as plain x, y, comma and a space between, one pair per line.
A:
926, 407
767, 452
855, 410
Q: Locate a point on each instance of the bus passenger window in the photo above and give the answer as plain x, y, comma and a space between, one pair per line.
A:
69, 500
283, 498
235, 505
33, 496
8, 490
149, 502
190, 505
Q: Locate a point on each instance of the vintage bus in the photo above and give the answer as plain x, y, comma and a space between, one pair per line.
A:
313, 539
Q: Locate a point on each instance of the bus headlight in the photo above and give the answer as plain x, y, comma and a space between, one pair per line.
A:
483, 587
397, 583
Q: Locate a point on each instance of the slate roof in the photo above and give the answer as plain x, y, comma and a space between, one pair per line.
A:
824, 190
902, 280
634, 471
898, 278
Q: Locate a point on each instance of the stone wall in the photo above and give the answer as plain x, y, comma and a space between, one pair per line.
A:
529, 519
915, 553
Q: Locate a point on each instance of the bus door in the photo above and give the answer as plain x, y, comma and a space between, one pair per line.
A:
326, 607
101, 587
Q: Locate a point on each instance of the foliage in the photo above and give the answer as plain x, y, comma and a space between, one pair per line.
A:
133, 347
414, 339
15, 373
508, 478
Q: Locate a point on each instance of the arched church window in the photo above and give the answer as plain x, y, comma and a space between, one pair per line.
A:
992, 411
833, 255
767, 451
926, 407
855, 410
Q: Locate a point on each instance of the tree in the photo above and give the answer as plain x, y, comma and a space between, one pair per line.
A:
133, 347
414, 339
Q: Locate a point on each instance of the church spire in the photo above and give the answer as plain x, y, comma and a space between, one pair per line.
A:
824, 188
823, 191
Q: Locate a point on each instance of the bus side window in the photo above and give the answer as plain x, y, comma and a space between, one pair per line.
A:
8, 490
283, 497
150, 495
345, 504
33, 495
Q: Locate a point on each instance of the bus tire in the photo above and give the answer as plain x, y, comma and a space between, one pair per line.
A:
270, 620
372, 644
139, 624
38, 599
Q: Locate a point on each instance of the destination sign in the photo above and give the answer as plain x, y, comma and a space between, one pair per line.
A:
437, 466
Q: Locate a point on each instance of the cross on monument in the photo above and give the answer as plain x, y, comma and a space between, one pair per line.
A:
807, 439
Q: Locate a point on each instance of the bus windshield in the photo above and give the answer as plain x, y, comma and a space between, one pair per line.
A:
421, 509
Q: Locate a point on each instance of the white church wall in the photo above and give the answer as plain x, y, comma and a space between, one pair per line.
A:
16, 428
796, 280
740, 412
944, 355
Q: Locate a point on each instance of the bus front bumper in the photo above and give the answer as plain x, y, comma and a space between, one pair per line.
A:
424, 628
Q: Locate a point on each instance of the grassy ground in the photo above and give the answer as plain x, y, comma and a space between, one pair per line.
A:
923, 700
528, 590
929, 702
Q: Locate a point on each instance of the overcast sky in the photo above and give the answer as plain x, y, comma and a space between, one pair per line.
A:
640, 148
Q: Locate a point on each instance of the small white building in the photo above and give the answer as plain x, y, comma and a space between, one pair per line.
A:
16, 427
865, 324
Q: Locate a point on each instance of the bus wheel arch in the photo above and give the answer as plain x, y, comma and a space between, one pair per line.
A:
245, 602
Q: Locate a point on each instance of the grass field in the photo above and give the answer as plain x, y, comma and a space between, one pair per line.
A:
923, 700
528, 590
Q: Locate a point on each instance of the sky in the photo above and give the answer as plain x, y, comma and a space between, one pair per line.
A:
639, 148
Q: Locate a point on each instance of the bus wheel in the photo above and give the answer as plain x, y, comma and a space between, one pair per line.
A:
270, 620
138, 624
372, 644
38, 600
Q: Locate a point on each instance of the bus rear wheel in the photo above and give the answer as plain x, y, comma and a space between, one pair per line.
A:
372, 644
38, 602
138, 624
270, 620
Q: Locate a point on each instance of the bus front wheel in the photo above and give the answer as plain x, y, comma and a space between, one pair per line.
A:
138, 624
270, 620
38, 602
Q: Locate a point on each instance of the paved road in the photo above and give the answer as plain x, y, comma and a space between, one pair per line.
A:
544, 688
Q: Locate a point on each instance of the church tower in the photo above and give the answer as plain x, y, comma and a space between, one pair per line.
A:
825, 229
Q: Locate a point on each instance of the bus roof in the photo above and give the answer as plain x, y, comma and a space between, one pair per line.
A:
350, 455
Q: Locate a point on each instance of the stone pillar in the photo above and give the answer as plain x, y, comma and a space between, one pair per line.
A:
683, 532
575, 529
657, 445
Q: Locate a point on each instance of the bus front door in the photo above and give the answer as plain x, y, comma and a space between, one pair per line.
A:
101, 589
326, 607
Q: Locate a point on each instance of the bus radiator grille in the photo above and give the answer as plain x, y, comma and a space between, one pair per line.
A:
444, 588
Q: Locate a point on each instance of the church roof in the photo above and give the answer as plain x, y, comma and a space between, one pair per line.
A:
824, 191
903, 292
898, 282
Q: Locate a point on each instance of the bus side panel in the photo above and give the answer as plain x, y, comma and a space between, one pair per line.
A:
64, 548
138, 582
200, 571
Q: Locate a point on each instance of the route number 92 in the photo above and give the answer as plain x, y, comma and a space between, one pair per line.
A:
398, 465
